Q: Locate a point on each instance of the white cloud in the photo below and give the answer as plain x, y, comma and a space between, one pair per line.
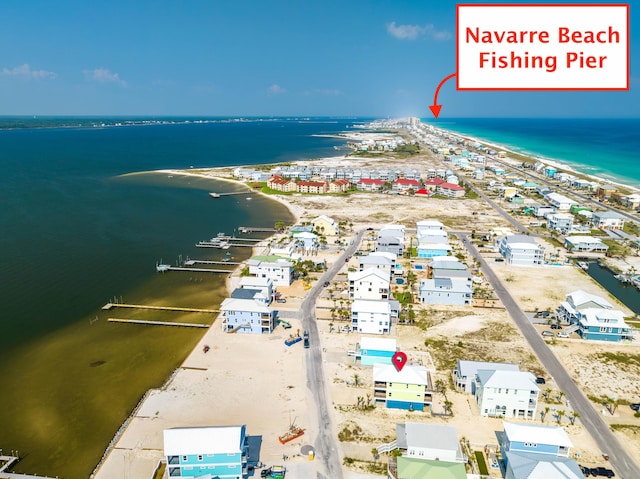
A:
276, 90
25, 71
104, 75
412, 32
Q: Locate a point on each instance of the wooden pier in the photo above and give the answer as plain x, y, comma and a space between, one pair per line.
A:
218, 195
199, 270
209, 244
158, 323
191, 262
109, 306
251, 229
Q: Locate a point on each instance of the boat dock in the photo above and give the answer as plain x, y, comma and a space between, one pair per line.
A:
222, 245
218, 195
192, 262
251, 229
7, 462
109, 306
158, 323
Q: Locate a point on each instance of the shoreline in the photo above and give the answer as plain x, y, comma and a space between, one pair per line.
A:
555, 162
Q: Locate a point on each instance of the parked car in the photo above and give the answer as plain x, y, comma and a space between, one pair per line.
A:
345, 329
281, 300
635, 406
548, 333
540, 380
603, 471
499, 260
556, 326
542, 314
326, 283
562, 334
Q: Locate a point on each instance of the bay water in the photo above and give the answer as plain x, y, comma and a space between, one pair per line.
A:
78, 230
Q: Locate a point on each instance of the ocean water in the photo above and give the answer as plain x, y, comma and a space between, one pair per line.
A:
76, 230
607, 148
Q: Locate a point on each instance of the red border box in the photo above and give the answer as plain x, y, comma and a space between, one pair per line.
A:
626, 5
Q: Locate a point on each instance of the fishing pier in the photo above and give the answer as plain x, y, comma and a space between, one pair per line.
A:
109, 306
158, 323
218, 195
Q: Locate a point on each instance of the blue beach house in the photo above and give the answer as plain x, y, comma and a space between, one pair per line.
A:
376, 350
214, 451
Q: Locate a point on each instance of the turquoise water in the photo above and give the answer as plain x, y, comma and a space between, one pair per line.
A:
75, 232
607, 148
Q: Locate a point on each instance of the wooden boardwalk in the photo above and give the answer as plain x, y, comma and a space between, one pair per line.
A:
158, 323
108, 306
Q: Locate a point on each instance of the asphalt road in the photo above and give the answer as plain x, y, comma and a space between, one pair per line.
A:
622, 462
326, 447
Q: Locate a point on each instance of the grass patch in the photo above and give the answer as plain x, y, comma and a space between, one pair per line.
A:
628, 427
625, 361
482, 464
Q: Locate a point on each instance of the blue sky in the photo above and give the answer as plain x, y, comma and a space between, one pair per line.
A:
267, 57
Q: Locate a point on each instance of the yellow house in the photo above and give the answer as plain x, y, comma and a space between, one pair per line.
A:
325, 225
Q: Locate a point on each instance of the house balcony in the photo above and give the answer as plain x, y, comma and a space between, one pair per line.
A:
380, 385
380, 394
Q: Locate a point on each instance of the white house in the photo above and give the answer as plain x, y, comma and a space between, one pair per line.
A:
264, 285
428, 225
445, 290
562, 222
464, 374
247, 316
511, 394
577, 301
308, 241
370, 283
370, 316
279, 270
429, 441
559, 201
380, 262
584, 243
608, 220
521, 250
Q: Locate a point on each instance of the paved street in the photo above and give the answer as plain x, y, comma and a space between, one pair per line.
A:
326, 446
623, 464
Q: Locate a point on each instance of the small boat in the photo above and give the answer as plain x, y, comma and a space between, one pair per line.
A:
214, 195
291, 434
225, 259
583, 265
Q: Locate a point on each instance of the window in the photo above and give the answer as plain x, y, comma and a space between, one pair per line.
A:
199, 457
185, 458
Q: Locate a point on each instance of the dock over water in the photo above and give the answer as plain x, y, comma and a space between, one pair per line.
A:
158, 323
109, 306
7, 462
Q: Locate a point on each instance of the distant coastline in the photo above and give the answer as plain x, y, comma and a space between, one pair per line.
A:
566, 144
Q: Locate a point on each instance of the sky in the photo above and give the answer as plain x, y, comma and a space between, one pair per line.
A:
258, 58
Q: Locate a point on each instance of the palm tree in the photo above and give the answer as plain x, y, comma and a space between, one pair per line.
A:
574, 415
559, 415
544, 413
356, 379
447, 407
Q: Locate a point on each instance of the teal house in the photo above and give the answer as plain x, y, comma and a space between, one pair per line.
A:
376, 350
215, 451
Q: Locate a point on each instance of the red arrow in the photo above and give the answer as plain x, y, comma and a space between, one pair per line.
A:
435, 108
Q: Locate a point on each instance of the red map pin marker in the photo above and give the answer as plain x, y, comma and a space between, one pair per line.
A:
399, 360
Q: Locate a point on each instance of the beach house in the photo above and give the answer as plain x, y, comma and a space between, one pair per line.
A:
279, 183
561, 222
325, 225
464, 374
608, 220
368, 184
602, 324
405, 185
265, 285
372, 350
530, 450
559, 201
585, 243
427, 451
449, 190
370, 316
409, 388
521, 250
277, 269
577, 301
213, 451
339, 186
307, 241
247, 316
445, 290
380, 262
511, 394
391, 240
370, 283
433, 243
424, 226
